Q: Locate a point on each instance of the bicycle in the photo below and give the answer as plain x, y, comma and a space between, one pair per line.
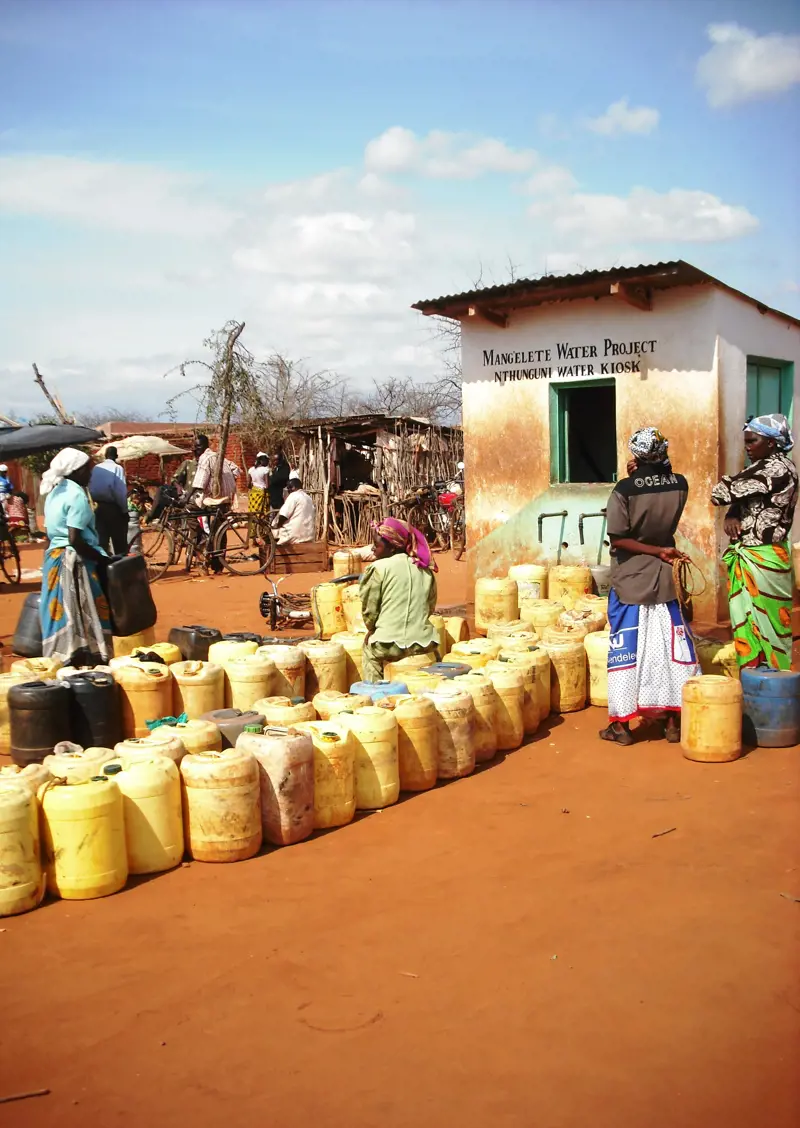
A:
243, 543
284, 610
9, 553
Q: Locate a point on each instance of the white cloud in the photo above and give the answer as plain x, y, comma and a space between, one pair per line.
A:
139, 199
555, 180
741, 65
622, 118
443, 156
679, 215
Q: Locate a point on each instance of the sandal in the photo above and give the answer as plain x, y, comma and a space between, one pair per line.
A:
672, 730
618, 733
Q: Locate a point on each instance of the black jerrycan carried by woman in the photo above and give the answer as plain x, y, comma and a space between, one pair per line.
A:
129, 597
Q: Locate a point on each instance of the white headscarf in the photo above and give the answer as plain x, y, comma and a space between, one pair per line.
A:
66, 462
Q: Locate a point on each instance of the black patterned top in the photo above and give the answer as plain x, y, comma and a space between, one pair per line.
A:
763, 498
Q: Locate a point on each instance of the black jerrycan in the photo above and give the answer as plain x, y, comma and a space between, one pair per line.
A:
129, 596
194, 641
95, 710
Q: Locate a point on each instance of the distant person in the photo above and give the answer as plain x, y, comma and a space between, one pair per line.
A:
184, 475
762, 500
203, 480
74, 614
110, 495
6, 485
278, 480
651, 654
258, 475
398, 596
296, 522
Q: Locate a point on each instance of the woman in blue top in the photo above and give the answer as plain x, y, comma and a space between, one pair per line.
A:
76, 624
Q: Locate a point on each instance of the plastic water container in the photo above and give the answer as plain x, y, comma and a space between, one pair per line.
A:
160, 742
32, 775
770, 707
374, 731
28, 633
152, 809
6, 682
711, 719
168, 652
330, 703
476, 653
247, 679
510, 686
286, 775
326, 666
499, 632
601, 579
455, 730
76, 764
543, 613
346, 563
334, 772
194, 641
399, 670
327, 611
95, 710
447, 670
125, 644
194, 736
376, 690
38, 719
290, 669
417, 743
534, 665
221, 805
456, 630
198, 688
220, 653
231, 723
569, 582
597, 603
487, 709
567, 674
36, 669
596, 646
579, 623
83, 838
145, 695
495, 602
438, 624
67, 672
351, 608
531, 581
285, 711
422, 681
353, 645
21, 879
130, 600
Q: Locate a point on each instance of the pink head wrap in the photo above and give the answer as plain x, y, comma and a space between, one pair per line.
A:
410, 540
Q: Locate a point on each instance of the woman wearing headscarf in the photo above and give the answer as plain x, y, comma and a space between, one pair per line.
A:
258, 474
651, 654
76, 624
762, 500
398, 596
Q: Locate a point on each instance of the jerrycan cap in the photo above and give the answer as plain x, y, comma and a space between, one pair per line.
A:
99, 779
254, 728
298, 701
112, 769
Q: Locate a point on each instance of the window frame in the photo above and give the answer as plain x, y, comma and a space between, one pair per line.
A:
786, 383
559, 453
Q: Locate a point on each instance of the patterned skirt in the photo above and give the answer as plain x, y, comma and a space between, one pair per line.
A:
760, 588
74, 612
255, 500
651, 656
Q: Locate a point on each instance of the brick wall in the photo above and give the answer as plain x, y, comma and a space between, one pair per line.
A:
148, 469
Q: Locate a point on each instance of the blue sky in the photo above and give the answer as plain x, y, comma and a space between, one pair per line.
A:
315, 167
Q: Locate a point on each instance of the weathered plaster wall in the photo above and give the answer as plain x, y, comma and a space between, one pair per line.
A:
507, 424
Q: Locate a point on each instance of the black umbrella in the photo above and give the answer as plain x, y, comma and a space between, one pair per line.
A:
17, 442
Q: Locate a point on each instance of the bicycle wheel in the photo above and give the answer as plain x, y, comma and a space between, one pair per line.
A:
9, 558
158, 547
245, 544
458, 532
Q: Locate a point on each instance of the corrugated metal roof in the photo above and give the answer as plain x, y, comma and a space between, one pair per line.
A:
591, 283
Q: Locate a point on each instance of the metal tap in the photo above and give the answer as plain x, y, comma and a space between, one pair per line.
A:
581, 518
563, 513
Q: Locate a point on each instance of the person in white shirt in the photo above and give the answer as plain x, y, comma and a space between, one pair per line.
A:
296, 519
109, 491
259, 480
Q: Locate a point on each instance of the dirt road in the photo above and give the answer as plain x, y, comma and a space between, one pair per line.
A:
513, 950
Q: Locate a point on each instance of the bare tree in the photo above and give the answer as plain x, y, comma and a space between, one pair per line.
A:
94, 416
262, 398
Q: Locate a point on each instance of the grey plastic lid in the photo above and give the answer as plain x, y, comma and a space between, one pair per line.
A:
112, 769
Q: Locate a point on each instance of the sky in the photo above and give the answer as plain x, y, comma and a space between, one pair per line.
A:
314, 167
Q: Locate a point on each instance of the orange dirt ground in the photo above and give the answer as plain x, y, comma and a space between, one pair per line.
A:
513, 949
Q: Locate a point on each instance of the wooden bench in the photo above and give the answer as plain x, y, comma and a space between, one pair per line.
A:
312, 556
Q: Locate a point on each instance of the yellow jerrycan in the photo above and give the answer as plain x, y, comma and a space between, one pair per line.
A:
487, 708
334, 772
326, 666
248, 678
21, 879
282, 711
290, 669
286, 775
83, 838
495, 602
145, 695
221, 805
353, 645
456, 730
377, 775
198, 688
711, 719
569, 583
567, 674
327, 610
596, 645
152, 809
